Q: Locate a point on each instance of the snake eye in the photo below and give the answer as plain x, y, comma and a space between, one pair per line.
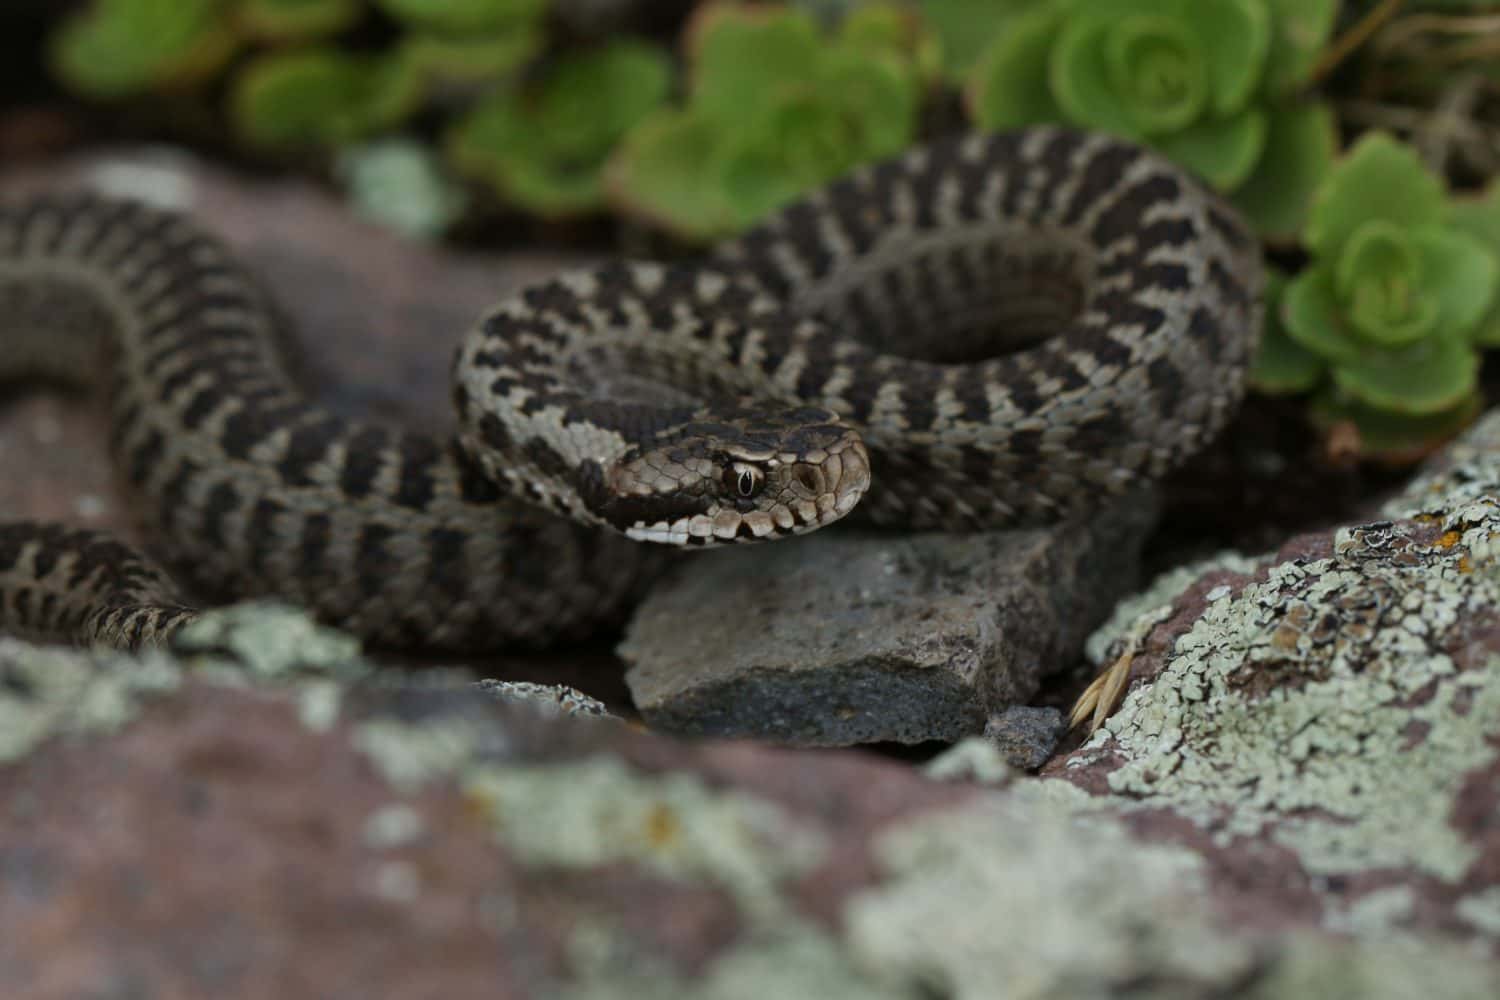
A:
743, 480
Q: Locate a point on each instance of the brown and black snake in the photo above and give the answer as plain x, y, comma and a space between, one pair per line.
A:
989, 330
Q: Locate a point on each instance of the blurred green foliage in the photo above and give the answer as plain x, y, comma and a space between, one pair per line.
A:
774, 107
545, 144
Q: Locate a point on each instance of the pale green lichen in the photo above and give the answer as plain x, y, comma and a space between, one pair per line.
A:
412, 754
972, 759
50, 691
1321, 760
1482, 910
1374, 914
1318, 966
598, 811
796, 960
1319, 709
393, 825
1029, 891
401, 184
269, 641
1149, 602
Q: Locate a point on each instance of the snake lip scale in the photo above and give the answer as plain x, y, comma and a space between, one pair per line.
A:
989, 330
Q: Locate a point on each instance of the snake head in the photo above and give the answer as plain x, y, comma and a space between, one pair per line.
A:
740, 476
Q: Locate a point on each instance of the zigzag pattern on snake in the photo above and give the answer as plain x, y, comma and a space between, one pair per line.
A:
989, 330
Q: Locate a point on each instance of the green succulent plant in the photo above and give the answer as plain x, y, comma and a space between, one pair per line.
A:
300, 87
545, 145
773, 108
296, 20
115, 48
1398, 297
1212, 83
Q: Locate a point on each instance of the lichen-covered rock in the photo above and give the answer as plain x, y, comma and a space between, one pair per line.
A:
1324, 724
307, 825
853, 638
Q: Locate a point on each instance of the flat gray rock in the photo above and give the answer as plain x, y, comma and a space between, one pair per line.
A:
844, 638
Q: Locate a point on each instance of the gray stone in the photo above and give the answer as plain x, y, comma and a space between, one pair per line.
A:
846, 638
1025, 735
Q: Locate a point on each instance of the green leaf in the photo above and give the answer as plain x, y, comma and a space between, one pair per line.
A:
966, 28
664, 172
459, 16
1222, 151
800, 143
1299, 29
1427, 377
1081, 81
116, 48
401, 185
877, 93
1282, 366
316, 96
893, 30
1479, 217
741, 54
1233, 37
1378, 280
545, 147
1459, 276
1301, 140
469, 59
296, 20
1378, 179
1154, 62
1314, 317
1009, 85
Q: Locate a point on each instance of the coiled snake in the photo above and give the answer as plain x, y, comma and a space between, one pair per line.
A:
989, 330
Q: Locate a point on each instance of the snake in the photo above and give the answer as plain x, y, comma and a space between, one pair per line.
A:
988, 330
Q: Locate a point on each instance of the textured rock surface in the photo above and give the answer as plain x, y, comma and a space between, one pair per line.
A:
850, 638
307, 826
1325, 723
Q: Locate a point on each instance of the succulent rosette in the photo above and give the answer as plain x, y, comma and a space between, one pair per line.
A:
1208, 82
1396, 299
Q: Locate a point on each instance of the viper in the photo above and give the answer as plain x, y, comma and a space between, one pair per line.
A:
989, 330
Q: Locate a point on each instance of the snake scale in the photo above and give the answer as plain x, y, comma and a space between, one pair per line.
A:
988, 330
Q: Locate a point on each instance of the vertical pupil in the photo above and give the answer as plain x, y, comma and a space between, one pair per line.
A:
747, 483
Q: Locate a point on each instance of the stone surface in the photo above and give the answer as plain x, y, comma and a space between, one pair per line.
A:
846, 638
307, 825
1025, 735
1324, 723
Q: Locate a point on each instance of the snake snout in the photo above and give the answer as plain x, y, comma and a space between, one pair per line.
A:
844, 476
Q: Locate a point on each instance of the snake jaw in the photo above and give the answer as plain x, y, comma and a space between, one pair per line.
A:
746, 478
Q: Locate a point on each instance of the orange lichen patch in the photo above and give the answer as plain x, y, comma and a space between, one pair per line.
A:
662, 827
1449, 539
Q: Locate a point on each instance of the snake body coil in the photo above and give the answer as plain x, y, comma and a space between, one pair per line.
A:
990, 330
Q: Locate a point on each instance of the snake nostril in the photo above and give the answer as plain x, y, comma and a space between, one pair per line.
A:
808, 477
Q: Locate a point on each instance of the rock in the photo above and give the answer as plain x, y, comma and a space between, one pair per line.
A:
189, 825
1025, 735
843, 638
1324, 723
